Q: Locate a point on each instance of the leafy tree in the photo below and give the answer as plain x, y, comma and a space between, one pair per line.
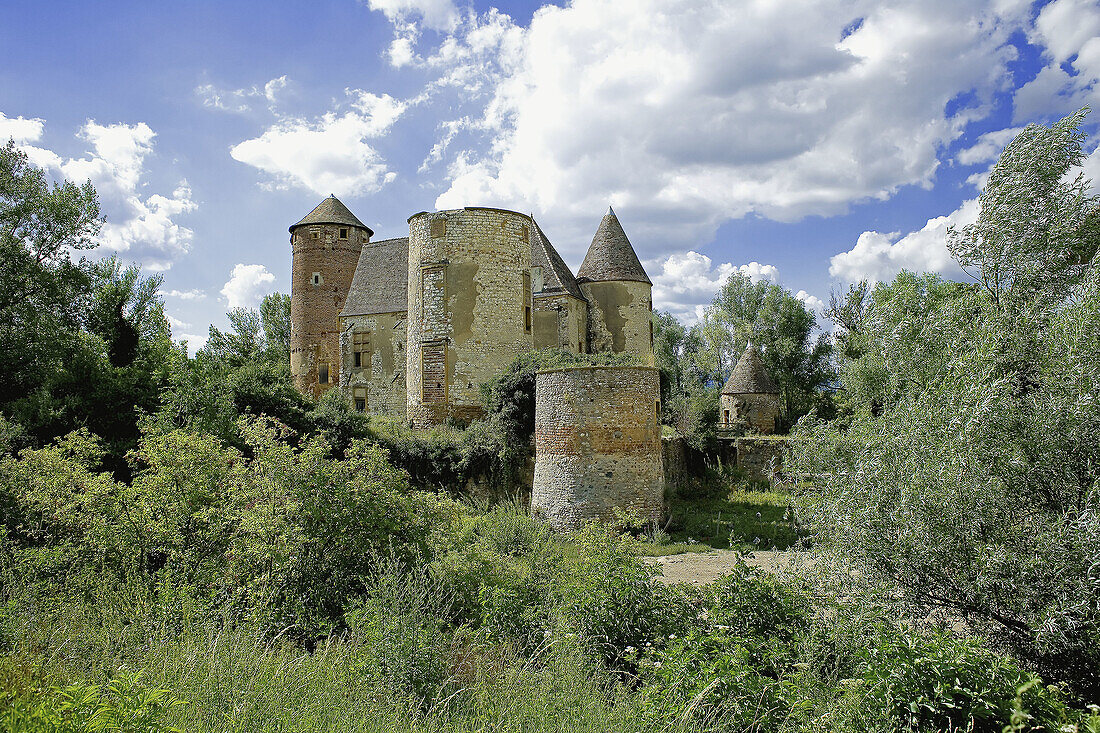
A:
668, 353
781, 326
42, 290
1038, 230
972, 486
275, 318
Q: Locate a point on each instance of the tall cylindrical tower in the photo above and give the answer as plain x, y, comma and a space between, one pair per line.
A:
597, 444
469, 307
326, 245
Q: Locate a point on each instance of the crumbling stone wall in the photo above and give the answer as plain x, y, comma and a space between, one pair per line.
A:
379, 380
470, 310
322, 267
758, 412
597, 444
620, 317
760, 458
674, 460
561, 322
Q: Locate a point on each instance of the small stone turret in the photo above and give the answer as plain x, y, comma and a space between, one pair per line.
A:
750, 395
619, 293
326, 245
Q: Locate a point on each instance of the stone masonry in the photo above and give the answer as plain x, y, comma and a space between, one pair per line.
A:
597, 445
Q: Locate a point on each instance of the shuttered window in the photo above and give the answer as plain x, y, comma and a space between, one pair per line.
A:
433, 385
360, 350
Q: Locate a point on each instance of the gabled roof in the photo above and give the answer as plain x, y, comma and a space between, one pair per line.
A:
610, 256
556, 275
381, 280
332, 211
750, 376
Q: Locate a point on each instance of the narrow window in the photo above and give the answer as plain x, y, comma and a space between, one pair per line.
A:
651, 334
361, 351
322, 373
524, 232
360, 397
433, 374
317, 279
527, 302
657, 411
343, 233
726, 416
537, 283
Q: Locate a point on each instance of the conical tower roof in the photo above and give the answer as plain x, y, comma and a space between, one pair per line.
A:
557, 277
332, 211
610, 256
750, 376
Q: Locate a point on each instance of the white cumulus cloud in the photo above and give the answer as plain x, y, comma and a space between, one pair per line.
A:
329, 154
239, 100
685, 283
192, 294
879, 257
22, 132
1069, 33
247, 285
779, 109
436, 14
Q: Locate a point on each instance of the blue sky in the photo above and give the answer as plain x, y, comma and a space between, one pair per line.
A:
808, 142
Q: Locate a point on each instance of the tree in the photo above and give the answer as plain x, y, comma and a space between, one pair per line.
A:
1038, 231
275, 318
781, 326
973, 490
42, 290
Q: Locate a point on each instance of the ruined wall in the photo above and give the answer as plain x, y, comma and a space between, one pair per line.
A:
674, 460
757, 411
470, 310
597, 444
379, 379
760, 458
321, 272
620, 317
561, 322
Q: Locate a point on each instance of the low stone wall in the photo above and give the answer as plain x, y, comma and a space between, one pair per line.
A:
597, 445
674, 458
760, 458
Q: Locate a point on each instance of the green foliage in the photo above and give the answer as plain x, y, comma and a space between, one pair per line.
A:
782, 327
42, 290
124, 704
966, 477
722, 511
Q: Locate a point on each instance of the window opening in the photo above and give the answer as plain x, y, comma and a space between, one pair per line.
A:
322, 373
361, 351
343, 233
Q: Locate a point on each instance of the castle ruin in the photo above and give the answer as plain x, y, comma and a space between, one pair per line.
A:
411, 327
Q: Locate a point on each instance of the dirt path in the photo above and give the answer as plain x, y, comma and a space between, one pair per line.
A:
700, 568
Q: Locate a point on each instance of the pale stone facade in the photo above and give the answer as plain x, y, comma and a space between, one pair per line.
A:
750, 398
412, 327
597, 445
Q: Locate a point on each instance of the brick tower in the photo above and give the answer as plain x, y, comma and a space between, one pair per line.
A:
326, 245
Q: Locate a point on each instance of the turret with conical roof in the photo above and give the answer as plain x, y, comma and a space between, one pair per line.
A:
750, 396
561, 311
326, 244
619, 293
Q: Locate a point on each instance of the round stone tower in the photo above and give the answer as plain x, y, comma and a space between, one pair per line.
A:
750, 397
619, 293
326, 245
469, 307
597, 444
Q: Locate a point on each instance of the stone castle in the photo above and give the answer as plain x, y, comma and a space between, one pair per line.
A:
412, 327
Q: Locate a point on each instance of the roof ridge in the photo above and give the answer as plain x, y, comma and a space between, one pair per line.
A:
562, 276
750, 376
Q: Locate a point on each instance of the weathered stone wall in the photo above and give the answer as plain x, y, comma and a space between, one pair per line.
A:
674, 459
380, 377
315, 303
561, 322
758, 412
597, 444
620, 317
469, 286
760, 458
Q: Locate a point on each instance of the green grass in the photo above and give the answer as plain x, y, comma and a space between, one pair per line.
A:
723, 511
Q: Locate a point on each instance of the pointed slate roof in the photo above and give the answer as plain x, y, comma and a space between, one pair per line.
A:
331, 211
610, 256
381, 280
556, 275
750, 376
